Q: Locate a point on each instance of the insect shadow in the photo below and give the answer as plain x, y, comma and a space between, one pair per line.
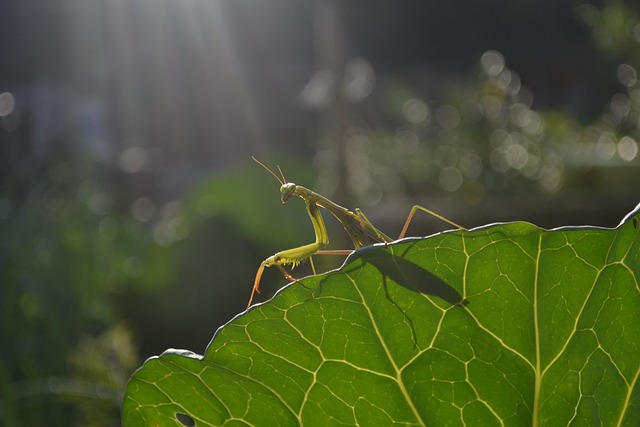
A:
408, 274
405, 273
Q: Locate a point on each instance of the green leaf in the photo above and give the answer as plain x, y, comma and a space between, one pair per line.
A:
508, 324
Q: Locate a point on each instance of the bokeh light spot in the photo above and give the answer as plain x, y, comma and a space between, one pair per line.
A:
133, 159
471, 165
500, 139
415, 111
627, 148
143, 209
620, 106
316, 93
627, 75
551, 179
445, 156
172, 226
588, 14
492, 62
359, 80
498, 161
369, 194
448, 116
516, 156
450, 179
492, 107
471, 111
100, 203
504, 79
605, 147
358, 146
7, 103
406, 141
636, 32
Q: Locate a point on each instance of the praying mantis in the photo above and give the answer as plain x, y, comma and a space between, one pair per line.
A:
360, 230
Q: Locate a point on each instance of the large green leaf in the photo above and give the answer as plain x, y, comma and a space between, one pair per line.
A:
508, 324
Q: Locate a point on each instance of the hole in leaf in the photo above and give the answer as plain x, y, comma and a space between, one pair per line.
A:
635, 223
185, 420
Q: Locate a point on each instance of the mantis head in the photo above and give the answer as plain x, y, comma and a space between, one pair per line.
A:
286, 191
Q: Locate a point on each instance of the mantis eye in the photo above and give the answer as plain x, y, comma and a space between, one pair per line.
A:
286, 191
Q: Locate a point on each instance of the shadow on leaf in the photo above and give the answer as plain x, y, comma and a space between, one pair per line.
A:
408, 274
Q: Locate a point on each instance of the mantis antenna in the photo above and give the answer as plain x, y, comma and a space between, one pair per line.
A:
281, 181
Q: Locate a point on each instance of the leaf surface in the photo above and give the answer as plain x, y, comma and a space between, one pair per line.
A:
508, 324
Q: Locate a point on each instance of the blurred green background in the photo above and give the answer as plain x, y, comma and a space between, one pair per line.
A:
132, 218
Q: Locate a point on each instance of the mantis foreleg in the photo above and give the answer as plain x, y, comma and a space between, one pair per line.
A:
296, 255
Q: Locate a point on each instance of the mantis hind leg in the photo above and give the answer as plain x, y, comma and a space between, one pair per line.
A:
415, 208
